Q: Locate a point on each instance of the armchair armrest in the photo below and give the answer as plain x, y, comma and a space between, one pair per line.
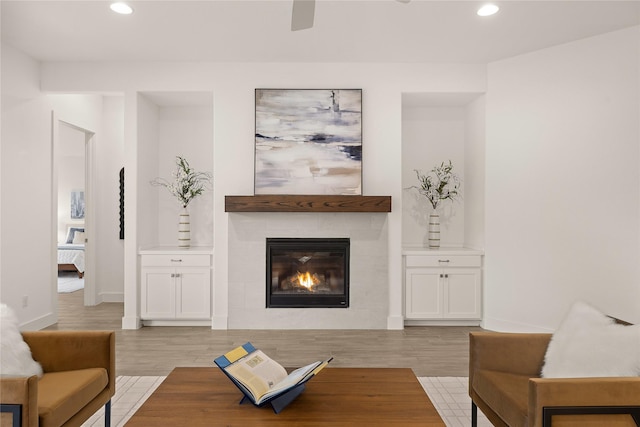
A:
581, 392
21, 391
71, 350
521, 354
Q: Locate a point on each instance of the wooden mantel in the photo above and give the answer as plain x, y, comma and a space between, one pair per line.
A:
302, 203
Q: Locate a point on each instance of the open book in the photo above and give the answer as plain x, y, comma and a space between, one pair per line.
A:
260, 377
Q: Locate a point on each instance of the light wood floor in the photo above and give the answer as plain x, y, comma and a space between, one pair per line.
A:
429, 351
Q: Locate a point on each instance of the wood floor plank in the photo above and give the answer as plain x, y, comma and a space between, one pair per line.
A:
429, 351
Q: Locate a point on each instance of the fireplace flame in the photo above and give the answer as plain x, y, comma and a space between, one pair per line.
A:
307, 280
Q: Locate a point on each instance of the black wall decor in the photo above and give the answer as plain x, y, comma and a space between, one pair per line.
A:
122, 203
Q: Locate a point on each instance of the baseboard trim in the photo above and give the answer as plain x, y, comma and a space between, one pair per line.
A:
395, 322
39, 323
444, 322
176, 323
131, 323
111, 297
500, 325
220, 322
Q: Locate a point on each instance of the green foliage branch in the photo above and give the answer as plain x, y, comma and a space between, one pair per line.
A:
187, 183
440, 183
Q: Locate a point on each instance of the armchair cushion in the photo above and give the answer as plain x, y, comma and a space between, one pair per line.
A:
505, 393
590, 344
60, 394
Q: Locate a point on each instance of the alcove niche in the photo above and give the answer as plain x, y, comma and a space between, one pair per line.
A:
438, 127
171, 124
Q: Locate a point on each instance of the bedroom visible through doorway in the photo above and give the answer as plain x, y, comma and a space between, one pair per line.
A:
71, 155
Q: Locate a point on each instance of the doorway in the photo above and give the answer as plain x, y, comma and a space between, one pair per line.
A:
73, 213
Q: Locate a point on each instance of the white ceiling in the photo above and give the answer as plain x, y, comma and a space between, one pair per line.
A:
344, 31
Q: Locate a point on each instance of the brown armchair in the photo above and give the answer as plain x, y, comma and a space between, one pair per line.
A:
505, 383
79, 378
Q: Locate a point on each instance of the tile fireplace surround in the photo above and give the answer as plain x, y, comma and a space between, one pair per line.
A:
369, 289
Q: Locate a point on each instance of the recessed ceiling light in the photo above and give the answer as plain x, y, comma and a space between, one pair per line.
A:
121, 8
488, 10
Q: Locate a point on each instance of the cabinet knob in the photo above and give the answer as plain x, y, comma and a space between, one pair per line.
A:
441, 276
446, 276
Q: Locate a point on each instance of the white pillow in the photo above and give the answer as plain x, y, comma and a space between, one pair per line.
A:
15, 354
71, 232
78, 238
590, 344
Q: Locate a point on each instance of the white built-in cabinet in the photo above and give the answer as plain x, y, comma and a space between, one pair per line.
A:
175, 286
443, 286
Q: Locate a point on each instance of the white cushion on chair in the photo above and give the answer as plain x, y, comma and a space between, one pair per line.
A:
590, 344
15, 354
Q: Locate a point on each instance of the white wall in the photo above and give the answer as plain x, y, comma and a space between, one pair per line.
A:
109, 277
560, 123
474, 174
233, 88
185, 131
103, 116
436, 128
430, 136
28, 262
27, 266
562, 183
146, 223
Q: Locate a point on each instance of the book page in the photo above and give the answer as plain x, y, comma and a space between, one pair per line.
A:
292, 379
258, 372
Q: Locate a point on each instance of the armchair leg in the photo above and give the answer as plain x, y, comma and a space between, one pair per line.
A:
474, 415
107, 414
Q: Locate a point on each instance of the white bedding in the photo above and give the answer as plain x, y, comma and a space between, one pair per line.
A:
71, 254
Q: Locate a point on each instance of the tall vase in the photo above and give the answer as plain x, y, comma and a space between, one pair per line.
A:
184, 229
434, 230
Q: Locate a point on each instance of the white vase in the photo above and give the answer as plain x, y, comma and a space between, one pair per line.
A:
434, 230
184, 229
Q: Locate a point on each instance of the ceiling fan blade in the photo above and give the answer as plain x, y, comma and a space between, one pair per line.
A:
302, 14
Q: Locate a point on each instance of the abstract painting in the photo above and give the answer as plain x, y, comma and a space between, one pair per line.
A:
77, 204
308, 141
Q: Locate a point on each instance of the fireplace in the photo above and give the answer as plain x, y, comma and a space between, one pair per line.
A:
307, 272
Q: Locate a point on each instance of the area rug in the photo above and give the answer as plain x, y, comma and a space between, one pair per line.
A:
69, 282
448, 394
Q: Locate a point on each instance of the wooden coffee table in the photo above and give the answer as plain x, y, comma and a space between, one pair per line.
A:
336, 397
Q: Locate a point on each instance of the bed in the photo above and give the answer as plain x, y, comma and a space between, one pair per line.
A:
71, 252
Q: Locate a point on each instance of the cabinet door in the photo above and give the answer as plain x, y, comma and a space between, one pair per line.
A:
423, 294
193, 293
463, 294
158, 294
